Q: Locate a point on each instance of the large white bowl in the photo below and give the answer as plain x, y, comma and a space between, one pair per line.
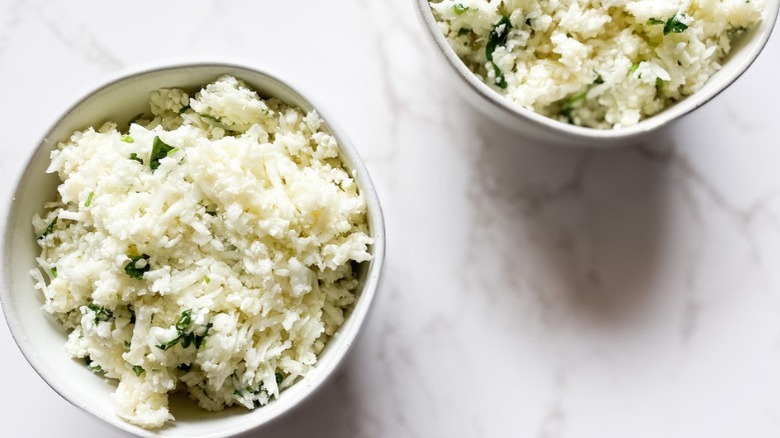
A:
41, 338
529, 123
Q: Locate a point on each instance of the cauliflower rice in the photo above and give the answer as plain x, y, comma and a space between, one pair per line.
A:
595, 63
211, 249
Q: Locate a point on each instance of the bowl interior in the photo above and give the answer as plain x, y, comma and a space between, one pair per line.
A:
742, 55
41, 338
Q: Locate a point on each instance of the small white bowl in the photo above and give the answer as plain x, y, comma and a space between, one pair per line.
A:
536, 126
42, 339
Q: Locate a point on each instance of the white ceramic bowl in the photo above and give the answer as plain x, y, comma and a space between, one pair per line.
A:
536, 126
42, 339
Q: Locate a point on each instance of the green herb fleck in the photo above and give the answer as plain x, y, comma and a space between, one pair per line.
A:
54, 272
498, 37
568, 114
101, 313
48, 229
135, 157
127, 139
279, 377
654, 21
206, 279
186, 340
131, 268
160, 150
200, 341
189, 338
169, 344
135, 118
132, 313
127, 344
89, 199
674, 25
184, 109
215, 121
459, 8
633, 68
659, 83
599, 80
577, 98
138, 370
184, 320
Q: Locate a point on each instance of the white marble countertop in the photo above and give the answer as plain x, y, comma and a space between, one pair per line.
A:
529, 290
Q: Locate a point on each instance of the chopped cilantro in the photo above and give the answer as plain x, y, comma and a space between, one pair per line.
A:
89, 199
138, 370
184, 109
186, 338
498, 37
132, 269
135, 157
577, 98
92, 365
215, 121
132, 313
674, 25
48, 229
206, 279
54, 272
160, 150
567, 112
169, 344
101, 313
200, 341
459, 8
184, 320
279, 377
127, 139
599, 80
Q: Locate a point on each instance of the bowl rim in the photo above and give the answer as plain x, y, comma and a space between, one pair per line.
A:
374, 215
607, 136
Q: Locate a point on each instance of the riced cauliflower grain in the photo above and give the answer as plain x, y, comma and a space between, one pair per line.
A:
210, 249
596, 63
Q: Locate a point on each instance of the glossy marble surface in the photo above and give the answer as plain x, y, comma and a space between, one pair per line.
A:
530, 290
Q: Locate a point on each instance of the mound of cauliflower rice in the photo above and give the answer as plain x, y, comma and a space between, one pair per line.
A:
212, 249
595, 63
